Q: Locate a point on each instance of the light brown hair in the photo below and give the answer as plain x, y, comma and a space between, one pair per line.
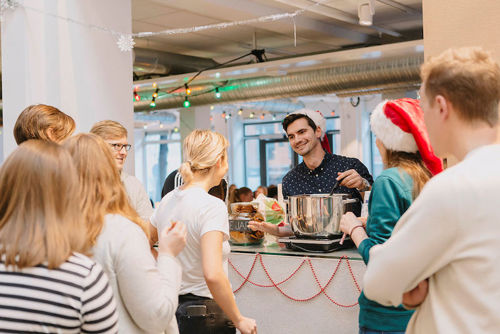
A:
413, 164
202, 149
40, 220
469, 78
102, 191
36, 121
108, 130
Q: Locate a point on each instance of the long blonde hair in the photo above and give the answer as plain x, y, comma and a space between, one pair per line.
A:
102, 191
202, 149
40, 220
411, 163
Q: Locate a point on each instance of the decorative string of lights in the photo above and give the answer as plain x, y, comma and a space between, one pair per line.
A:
126, 41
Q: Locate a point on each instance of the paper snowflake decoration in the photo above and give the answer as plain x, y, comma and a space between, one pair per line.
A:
125, 43
6, 5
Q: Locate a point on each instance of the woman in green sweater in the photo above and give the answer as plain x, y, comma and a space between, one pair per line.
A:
409, 163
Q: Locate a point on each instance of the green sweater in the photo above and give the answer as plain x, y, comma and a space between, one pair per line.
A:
390, 197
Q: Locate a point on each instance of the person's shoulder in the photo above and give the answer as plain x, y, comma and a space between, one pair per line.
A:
395, 176
116, 222
346, 159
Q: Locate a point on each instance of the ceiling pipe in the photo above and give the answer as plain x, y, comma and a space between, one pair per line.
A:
348, 79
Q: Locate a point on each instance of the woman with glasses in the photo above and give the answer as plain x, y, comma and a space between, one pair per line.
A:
116, 136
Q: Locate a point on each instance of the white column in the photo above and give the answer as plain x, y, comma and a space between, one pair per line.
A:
75, 68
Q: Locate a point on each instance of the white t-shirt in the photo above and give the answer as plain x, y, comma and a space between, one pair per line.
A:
201, 213
137, 195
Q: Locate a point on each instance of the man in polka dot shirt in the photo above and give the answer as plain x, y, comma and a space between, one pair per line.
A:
319, 171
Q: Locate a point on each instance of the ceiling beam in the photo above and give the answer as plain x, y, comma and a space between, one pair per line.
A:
335, 14
243, 9
400, 6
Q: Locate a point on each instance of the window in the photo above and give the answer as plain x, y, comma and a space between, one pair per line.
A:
161, 156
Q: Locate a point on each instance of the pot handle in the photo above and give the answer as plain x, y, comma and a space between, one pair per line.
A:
351, 200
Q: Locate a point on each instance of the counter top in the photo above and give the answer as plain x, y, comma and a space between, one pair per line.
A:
352, 253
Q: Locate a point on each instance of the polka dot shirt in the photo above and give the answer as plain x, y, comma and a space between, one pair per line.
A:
301, 180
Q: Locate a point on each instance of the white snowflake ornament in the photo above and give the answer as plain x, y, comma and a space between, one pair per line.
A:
125, 43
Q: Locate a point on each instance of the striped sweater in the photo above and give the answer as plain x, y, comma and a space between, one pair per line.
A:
74, 298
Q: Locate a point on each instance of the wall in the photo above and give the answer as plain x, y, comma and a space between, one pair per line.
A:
79, 70
466, 23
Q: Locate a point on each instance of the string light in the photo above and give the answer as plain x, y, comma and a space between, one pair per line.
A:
186, 104
153, 103
155, 94
155, 84
332, 113
223, 115
211, 118
188, 90
274, 117
228, 116
212, 107
262, 116
137, 97
217, 93
240, 111
252, 115
176, 129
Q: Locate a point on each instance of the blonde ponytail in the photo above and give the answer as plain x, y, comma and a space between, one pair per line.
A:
186, 172
201, 149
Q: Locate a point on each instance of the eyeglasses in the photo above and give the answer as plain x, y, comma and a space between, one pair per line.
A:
118, 147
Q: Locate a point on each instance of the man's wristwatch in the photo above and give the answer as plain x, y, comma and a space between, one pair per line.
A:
366, 186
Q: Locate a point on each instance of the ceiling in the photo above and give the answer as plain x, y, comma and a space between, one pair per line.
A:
324, 26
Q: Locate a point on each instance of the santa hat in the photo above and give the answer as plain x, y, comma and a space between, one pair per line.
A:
320, 122
399, 124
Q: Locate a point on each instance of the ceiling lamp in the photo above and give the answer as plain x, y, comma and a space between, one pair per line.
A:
366, 10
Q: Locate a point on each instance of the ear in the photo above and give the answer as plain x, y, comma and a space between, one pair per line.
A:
444, 106
317, 133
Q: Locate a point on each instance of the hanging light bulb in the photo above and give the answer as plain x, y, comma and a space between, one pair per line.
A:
176, 129
274, 117
252, 115
262, 116
240, 111
155, 94
332, 113
228, 116
188, 90
186, 104
211, 118
217, 93
223, 115
212, 107
152, 104
154, 85
137, 97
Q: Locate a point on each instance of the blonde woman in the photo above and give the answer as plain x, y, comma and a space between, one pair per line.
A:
46, 284
204, 260
40, 121
146, 290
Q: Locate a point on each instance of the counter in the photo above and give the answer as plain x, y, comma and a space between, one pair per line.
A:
283, 294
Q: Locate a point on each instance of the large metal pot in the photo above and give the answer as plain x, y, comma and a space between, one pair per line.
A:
317, 215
